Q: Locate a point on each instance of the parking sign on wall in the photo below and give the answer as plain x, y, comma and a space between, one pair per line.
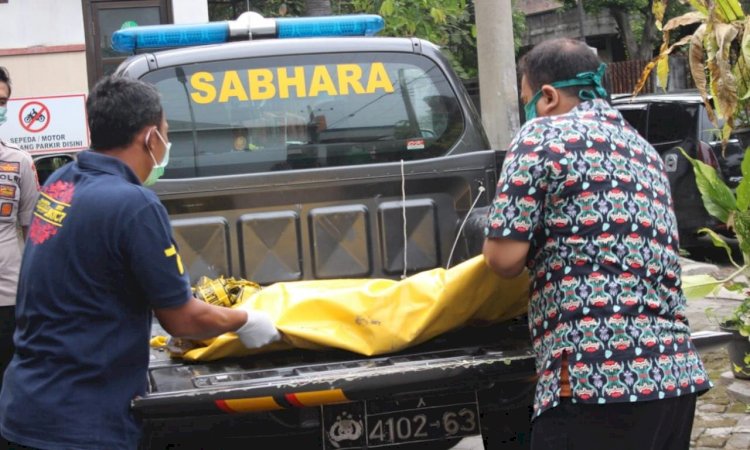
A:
47, 124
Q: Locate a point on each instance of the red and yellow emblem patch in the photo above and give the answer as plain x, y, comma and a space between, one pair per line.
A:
12, 167
7, 191
50, 211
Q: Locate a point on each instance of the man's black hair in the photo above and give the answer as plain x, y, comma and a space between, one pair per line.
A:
5, 78
558, 60
118, 108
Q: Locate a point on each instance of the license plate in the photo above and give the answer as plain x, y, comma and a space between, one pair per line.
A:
375, 424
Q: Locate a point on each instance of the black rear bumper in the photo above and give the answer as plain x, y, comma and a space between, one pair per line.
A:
238, 387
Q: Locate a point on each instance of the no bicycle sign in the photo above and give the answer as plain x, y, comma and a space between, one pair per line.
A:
47, 124
34, 116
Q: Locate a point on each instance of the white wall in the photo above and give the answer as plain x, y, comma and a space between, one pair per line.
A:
190, 11
42, 43
47, 74
32, 23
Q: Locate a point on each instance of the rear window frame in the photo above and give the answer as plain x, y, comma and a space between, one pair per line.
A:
296, 156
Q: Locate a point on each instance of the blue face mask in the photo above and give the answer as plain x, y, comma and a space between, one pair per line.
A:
592, 79
3, 113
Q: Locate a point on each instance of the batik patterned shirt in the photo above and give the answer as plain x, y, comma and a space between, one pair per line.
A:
591, 197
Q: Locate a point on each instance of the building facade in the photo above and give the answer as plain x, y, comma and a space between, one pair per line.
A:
55, 50
61, 47
547, 19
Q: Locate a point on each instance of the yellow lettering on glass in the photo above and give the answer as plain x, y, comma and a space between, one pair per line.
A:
172, 251
232, 87
202, 83
261, 84
379, 79
350, 76
296, 81
321, 82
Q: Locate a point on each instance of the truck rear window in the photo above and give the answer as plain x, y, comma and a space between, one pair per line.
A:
305, 111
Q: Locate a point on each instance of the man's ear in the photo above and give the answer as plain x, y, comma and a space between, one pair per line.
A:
144, 137
549, 100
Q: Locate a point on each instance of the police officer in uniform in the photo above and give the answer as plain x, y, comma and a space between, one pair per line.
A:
18, 191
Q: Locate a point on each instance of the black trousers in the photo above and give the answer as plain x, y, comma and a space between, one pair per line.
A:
7, 327
654, 425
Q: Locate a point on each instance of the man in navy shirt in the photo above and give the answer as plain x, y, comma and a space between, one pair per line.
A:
100, 257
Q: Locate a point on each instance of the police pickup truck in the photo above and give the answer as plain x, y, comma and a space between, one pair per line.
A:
310, 149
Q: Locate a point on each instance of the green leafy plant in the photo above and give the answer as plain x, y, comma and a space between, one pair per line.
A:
719, 57
732, 208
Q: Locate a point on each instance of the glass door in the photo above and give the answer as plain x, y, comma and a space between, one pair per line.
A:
106, 17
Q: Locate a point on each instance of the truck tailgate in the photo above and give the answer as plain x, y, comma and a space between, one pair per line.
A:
303, 378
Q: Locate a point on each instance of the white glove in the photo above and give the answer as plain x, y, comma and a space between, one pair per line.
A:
258, 331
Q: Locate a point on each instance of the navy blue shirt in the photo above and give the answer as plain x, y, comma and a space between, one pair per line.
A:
99, 256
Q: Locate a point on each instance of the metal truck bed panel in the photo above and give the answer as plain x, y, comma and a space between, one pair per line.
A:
330, 223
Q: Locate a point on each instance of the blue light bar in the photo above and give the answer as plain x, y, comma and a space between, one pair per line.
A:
249, 25
354, 25
128, 40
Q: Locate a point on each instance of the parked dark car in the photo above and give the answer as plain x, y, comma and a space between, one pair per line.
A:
679, 120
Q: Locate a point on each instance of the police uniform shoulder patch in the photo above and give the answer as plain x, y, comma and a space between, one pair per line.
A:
14, 147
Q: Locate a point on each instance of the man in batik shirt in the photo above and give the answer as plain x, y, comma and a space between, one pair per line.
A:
583, 201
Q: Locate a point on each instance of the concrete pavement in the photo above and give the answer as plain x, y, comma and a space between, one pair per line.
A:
722, 420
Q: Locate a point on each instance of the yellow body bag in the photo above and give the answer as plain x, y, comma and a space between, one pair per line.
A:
374, 316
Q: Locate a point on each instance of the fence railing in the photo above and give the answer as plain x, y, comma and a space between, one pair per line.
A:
622, 76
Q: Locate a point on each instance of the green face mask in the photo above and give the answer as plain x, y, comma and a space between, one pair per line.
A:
158, 170
593, 79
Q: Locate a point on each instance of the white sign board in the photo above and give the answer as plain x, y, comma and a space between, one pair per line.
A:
42, 125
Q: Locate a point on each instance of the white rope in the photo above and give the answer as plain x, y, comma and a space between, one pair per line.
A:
460, 229
403, 215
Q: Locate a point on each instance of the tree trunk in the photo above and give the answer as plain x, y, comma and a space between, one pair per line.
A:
646, 49
317, 7
622, 18
649, 37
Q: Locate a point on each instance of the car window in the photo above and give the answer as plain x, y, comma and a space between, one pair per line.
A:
669, 124
636, 116
731, 154
305, 111
47, 164
710, 132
